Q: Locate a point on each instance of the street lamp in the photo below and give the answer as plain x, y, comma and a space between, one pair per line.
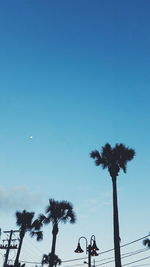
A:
90, 249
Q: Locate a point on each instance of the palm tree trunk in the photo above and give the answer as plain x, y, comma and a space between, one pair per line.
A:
116, 224
54, 233
19, 250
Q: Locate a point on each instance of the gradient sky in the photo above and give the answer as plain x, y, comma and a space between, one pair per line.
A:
74, 74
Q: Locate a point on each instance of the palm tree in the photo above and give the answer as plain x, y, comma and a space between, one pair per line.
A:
146, 242
114, 159
58, 211
46, 259
26, 224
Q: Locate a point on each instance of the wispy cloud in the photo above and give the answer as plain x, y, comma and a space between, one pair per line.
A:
98, 205
107, 203
93, 205
18, 198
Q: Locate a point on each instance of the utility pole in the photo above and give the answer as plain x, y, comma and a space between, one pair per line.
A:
8, 247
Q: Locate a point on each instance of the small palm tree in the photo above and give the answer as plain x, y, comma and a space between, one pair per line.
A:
57, 212
27, 224
146, 242
114, 159
47, 259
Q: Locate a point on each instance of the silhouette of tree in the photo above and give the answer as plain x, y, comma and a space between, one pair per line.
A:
57, 212
114, 159
146, 242
47, 259
27, 224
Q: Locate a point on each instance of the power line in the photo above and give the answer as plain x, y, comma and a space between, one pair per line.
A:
109, 249
141, 265
136, 261
134, 241
105, 252
126, 254
27, 250
34, 262
35, 247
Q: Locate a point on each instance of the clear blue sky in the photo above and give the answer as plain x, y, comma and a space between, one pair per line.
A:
74, 75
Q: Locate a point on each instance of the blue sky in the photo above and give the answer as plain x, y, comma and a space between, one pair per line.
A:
74, 75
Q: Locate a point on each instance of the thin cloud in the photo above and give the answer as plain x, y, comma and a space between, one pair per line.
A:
107, 203
93, 205
19, 198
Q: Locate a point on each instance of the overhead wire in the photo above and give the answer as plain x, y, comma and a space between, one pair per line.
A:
131, 254
126, 256
36, 247
139, 265
122, 264
31, 254
135, 261
109, 249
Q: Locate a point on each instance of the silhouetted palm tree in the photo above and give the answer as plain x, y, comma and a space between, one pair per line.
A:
26, 223
47, 259
146, 242
58, 211
114, 159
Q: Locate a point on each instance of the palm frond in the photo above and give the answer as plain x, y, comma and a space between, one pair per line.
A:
107, 154
123, 155
130, 153
146, 242
43, 219
37, 224
45, 259
96, 155
37, 234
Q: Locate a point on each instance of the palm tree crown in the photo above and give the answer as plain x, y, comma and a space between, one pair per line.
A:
26, 223
47, 258
58, 211
113, 158
24, 220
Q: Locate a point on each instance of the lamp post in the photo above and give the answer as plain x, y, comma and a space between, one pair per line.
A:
90, 249
92, 265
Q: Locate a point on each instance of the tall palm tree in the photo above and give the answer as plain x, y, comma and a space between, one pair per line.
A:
27, 224
146, 242
57, 211
114, 159
47, 258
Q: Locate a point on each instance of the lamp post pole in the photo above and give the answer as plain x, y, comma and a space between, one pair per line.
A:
90, 249
89, 255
